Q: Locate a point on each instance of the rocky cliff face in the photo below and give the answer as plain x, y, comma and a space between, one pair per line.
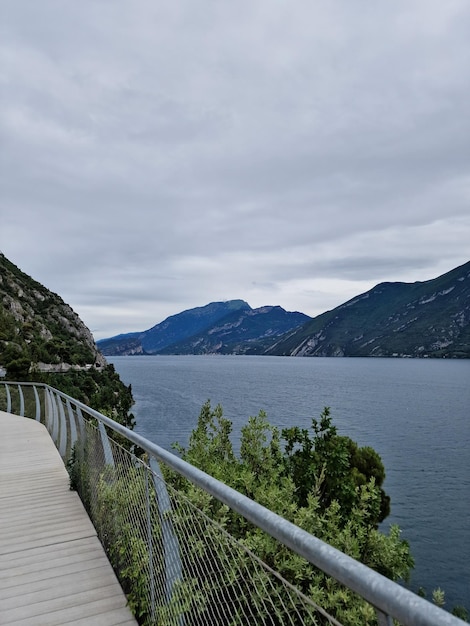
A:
38, 327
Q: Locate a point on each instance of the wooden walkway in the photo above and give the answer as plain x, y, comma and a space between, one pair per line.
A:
53, 569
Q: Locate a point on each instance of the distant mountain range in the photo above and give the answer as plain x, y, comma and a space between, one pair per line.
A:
420, 319
231, 327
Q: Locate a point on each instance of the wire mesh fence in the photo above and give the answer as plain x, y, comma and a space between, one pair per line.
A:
177, 565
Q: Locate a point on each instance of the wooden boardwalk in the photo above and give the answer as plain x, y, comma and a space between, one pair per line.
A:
53, 569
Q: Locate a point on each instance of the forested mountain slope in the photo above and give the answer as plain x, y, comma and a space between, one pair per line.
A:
241, 332
173, 329
43, 339
421, 319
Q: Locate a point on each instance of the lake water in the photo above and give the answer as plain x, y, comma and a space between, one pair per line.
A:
414, 412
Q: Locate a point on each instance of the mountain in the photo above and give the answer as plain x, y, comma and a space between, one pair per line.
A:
38, 328
172, 330
43, 339
241, 332
420, 319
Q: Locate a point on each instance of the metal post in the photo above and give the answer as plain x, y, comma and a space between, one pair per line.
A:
20, 393
48, 412
7, 389
72, 424
38, 404
55, 419
150, 545
108, 453
62, 429
81, 423
173, 567
383, 619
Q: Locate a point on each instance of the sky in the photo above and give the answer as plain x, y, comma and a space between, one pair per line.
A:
158, 156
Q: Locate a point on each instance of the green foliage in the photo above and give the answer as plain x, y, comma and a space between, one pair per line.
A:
120, 516
73, 468
8, 327
334, 467
438, 597
117, 500
101, 389
31, 340
322, 482
18, 369
461, 612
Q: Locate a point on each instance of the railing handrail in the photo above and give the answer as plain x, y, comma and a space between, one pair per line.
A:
388, 597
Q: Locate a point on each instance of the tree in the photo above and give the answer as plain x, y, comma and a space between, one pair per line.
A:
333, 465
18, 369
323, 483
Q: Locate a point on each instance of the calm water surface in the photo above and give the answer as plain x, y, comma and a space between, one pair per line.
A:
414, 412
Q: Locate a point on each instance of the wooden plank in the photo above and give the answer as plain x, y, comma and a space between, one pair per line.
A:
68, 606
37, 565
53, 569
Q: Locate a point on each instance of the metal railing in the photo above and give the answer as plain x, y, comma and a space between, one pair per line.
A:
177, 565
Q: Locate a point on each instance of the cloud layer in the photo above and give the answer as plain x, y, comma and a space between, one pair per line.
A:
158, 156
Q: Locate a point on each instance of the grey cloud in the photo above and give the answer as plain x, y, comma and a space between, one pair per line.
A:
158, 156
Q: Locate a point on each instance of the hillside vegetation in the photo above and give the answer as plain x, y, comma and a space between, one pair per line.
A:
38, 327
421, 319
240, 332
43, 339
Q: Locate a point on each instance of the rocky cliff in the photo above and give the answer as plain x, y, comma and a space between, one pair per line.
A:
38, 330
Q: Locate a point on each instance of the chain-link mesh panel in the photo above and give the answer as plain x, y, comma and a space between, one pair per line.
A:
222, 581
177, 566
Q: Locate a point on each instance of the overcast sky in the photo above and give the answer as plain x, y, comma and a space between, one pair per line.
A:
158, 156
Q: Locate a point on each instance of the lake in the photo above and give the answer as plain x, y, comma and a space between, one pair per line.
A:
414, 412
